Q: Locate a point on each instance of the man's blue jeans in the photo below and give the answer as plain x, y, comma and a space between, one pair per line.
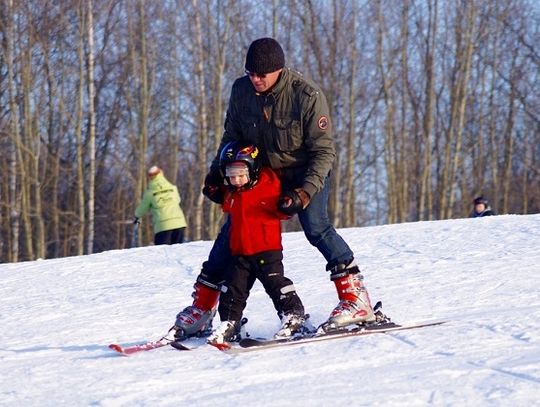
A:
321, 233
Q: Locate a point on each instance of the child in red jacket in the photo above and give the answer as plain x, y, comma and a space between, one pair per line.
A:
251, 200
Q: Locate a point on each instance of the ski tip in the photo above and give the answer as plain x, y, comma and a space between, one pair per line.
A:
117, 348
179, 346
221, 346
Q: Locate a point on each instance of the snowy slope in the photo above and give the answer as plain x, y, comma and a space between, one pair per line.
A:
58, 316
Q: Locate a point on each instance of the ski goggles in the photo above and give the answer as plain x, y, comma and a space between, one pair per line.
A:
236, 170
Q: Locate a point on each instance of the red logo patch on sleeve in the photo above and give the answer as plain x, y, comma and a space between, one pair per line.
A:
323, 123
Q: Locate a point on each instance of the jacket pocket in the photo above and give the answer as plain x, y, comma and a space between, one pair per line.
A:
250, 128
289, 134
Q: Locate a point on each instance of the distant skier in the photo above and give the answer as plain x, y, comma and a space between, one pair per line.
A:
481, 208
163, 200
251, 200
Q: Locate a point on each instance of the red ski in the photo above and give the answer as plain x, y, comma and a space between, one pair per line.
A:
225, 346
130, 350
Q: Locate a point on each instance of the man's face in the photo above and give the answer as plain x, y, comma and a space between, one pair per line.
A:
265, 81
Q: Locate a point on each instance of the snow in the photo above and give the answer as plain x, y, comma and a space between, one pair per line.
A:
58, 316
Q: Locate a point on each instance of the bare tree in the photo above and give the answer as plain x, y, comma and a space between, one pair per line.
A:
79, 167
14, 196
432, 103
201, 116
464, 45
91, 128
425, 204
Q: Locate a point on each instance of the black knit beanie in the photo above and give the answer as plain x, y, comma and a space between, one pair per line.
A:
265, 55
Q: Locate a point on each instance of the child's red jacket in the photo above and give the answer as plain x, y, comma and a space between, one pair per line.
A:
255, 219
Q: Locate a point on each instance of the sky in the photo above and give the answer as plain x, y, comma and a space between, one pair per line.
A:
58, 316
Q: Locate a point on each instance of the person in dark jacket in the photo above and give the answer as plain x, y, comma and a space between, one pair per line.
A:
481, 208
287, 117
251, 200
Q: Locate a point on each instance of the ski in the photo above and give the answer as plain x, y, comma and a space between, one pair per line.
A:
249, 344
130, 350
225, 346
179, 346
167, 339
187, 343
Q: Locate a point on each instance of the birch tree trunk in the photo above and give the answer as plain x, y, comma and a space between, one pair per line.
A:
201, 119
402, 145
387, 79
425, 206
79, 165
349, 210
24, 149
222, 37
464, 37
91, 129
14, 195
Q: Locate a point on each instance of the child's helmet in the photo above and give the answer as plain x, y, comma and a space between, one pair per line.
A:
241, 152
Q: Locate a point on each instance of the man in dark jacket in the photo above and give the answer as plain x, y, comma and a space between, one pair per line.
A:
287, 116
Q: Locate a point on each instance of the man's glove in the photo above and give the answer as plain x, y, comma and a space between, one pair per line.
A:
214, 177
215, 194
292, 202
136, 221
213, 187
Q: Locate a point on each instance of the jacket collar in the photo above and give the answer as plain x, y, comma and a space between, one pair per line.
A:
280, 85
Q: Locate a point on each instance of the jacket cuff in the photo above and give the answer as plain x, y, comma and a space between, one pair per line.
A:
310, 189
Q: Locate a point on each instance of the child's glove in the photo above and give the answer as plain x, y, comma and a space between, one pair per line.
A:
212, 187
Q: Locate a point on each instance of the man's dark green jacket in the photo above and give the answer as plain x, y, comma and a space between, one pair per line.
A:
290, 125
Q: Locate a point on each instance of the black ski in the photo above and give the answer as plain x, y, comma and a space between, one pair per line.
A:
249, 344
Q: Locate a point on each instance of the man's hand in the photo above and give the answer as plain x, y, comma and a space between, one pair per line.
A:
292, 202
213, 178
215, 194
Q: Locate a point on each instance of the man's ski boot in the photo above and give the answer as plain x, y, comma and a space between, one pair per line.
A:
354, 306
196, 319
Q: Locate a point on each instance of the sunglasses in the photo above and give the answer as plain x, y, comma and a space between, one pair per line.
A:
258, 75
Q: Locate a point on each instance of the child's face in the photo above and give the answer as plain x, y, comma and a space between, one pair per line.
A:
239, 180
238, 174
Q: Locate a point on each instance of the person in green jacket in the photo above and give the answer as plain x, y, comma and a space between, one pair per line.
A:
163, 200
